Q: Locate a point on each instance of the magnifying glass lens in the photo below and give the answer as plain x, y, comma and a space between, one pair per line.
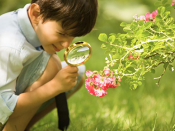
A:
78, 54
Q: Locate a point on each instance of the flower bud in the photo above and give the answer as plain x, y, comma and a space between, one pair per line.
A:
107, 71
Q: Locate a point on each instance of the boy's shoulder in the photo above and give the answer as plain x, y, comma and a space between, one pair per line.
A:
13, 39
16, 29
10, 33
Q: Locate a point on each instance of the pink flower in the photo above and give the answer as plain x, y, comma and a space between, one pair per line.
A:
112, 73
101, 82
131, 57
111, 82
107, 71
89, 84
100, 93
93, 89
173, 2
96, 76
154, 13
137, 57
148, 16
142, 17
98, 85
89, 74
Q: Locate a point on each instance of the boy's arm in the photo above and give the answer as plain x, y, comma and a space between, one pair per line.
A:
29, 100
62, 82
10, 68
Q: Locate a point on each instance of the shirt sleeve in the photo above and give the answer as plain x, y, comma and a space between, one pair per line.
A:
10, 67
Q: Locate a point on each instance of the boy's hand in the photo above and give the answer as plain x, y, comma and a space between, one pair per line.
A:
66, 78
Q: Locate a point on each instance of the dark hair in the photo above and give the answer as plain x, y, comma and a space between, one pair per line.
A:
79, 15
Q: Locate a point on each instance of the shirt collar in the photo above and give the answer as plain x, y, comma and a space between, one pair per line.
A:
26, 27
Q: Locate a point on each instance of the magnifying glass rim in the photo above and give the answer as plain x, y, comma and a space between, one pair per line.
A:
80, 43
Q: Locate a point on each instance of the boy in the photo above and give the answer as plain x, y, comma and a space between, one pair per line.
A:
30, 76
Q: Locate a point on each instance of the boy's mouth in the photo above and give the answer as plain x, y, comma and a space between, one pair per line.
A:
56, 49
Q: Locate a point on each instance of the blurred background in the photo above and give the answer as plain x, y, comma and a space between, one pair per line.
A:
148, 108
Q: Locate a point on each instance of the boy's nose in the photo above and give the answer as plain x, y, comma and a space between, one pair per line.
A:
66, 43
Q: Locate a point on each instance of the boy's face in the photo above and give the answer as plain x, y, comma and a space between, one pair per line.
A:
52, 36
50, 33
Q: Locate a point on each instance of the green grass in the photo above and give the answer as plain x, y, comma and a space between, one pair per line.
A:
148, 108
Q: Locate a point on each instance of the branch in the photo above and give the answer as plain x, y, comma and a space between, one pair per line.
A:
160, 77
169, 53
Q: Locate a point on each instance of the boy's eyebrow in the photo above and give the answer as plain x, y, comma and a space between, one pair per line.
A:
64, 33
68, 33
61, 31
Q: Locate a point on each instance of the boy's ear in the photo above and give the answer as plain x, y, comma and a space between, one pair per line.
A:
34, 13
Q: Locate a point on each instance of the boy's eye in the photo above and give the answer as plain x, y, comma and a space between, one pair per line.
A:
61, 34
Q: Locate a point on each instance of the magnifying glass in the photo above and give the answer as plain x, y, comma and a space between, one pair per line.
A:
78, 53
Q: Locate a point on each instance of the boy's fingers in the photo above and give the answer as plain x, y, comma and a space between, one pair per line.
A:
75, 79
71, 69
73, 75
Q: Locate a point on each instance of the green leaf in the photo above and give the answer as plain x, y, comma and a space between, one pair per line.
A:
141, 22
173, 6
169, 21
158, 18
133, 41
103, 46
115, 56
107, 52
171, 68
165, 65
158, 3
138, 34
146, 34
158, 47
133, 25
139, 83
166, 14
127, 28
164, 1
111, 39
162, 10
113, 34
148, 24
103, 37
123, 24
135, 86
113, 49
168, 7
172, 26
153, 71
130, 69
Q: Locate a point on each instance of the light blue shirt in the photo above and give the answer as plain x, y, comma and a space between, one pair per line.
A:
18, 41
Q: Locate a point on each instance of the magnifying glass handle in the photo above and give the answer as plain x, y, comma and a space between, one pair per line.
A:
63, 111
